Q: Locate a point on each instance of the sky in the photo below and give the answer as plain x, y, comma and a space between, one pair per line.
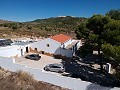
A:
28, 10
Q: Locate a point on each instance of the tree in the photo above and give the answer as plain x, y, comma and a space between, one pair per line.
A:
82, 31
29, 27
5, 25
92, 31
112, 51
103, 34
112, 33
96, 25
14, 27
114, 14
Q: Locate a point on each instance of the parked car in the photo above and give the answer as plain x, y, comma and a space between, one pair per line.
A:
54, 68
33, 57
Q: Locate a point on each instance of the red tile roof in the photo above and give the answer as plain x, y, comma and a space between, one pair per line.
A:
61, 38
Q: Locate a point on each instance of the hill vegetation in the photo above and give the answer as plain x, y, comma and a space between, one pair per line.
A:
41, 27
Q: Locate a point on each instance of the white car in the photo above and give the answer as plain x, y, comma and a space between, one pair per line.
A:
54, 68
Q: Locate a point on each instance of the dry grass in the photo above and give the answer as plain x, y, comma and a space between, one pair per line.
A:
23, 81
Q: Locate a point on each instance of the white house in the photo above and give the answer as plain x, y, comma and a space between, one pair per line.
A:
10, 49
57, 45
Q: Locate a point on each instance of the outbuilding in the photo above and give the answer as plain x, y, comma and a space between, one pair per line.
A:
13, 49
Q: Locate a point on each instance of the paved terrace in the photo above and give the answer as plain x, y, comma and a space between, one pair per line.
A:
66, 82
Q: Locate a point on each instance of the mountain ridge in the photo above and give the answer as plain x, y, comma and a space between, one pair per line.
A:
42, 27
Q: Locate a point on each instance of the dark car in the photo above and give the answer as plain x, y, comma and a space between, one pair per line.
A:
33, 57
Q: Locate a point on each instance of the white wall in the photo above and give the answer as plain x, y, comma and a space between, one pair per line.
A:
68, 42
42, 45
64, 52
11, 51
24, 49
79, 44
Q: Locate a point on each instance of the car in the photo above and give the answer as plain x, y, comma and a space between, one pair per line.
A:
33, 57
54, 68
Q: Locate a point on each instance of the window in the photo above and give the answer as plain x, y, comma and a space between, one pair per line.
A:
42, 52
55, 67
48, 45
35, 49
32, 55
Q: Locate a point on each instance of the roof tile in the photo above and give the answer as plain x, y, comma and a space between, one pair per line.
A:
61, 38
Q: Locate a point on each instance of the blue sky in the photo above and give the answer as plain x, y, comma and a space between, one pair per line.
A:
27, 10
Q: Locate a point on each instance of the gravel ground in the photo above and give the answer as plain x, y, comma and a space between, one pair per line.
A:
37, 64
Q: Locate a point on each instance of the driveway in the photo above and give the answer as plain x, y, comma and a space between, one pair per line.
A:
40, 64
66, 82
85, 73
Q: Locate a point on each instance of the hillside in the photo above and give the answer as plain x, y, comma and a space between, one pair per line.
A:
55, 25
41, 27
4, 21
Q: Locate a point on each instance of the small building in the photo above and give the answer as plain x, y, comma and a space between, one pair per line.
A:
13, 49
57, 45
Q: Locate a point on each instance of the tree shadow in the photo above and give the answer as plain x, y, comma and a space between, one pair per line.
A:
91, 59
97, 87
86, 73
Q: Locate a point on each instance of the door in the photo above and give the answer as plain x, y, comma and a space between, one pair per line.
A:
26, 49
21, 52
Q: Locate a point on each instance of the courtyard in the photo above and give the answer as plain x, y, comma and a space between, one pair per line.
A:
40, 64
